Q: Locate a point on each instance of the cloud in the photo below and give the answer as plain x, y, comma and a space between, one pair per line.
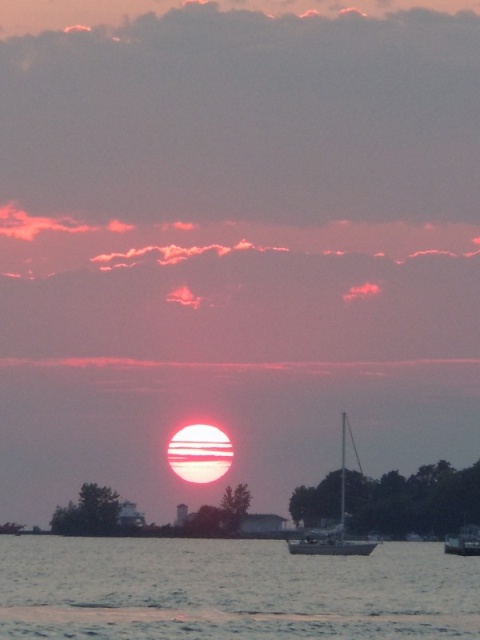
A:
183, 296
366, 290
204, 115
18, 224
351, 12
311, 13
119, 227
77, 28
184, 226
173, 254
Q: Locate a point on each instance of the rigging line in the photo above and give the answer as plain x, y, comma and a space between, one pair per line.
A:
354, 445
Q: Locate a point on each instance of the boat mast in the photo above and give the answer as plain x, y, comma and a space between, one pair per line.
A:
342, 504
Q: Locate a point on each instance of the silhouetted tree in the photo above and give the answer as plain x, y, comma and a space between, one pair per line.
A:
317, 505
96, 513
67, 521
100, 508
390, 484
235, 506
208, 522
304, 506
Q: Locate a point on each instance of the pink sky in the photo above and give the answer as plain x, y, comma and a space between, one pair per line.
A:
213, 216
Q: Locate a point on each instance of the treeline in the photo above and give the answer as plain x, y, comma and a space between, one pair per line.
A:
436, 500
97, 513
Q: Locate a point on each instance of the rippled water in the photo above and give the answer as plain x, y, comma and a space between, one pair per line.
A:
247, 589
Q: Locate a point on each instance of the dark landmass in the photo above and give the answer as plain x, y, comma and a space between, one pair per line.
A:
435, 501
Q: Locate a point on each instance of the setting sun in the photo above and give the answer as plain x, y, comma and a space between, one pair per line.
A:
200, 453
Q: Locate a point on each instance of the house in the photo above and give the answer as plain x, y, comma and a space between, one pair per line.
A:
129, 516
182, 515
255, 523
471, 531
262, 523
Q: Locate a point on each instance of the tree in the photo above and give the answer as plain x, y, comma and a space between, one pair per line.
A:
99, 507
235, 506
208, 522
67, 521
303, 506
96, 513
391, 484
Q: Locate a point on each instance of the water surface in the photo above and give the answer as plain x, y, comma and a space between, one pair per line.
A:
158, 589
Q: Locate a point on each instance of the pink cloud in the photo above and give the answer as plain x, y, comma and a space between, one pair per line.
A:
116, 226
193, 2
170, 254
243, 245
79, 363
18, 224
131, 253
313, 368
173, 254
363, 291
76, 27
185, 297
432, 252
352, 12
178, 226
119, 265
184, 226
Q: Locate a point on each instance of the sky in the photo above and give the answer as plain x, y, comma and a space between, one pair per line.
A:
250, 215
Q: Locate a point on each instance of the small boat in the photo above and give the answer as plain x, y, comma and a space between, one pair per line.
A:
413, 537
465, 543
333, 542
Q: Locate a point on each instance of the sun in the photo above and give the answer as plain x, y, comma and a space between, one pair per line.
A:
200, 453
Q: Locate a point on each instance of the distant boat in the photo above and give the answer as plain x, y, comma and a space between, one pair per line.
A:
333, 542
374, 536
413, 537
465, 543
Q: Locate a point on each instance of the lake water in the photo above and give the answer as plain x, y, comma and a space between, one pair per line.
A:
163, 589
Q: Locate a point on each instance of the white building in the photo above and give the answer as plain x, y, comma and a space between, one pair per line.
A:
182, 515
262, 523
129, 516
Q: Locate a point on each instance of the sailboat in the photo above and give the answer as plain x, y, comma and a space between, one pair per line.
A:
333, 542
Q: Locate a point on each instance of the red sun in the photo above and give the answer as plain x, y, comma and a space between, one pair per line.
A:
200, 453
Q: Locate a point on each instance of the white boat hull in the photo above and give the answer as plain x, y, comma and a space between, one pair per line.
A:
329, 548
